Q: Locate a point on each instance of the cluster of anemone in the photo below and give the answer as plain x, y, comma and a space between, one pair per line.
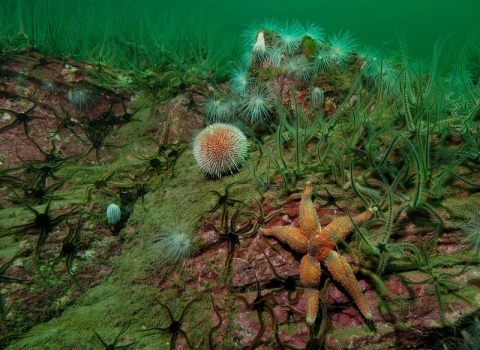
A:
270, 42
218, 108
251, 102
290, 49
278, 46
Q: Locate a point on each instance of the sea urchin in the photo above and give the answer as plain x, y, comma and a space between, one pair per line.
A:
220, 149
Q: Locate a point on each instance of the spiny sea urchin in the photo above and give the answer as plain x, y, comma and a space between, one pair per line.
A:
220, 149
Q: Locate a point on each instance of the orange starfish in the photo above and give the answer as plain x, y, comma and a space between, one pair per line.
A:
317, 244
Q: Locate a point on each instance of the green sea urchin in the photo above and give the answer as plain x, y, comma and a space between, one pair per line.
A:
114, 214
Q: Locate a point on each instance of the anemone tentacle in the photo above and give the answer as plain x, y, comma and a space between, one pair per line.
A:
290, 37
341, 47
257, 106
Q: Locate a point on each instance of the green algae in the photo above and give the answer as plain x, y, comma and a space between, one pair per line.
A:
187, 188
308, 46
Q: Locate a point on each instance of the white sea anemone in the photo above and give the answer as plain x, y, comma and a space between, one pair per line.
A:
257, 106
299, 68
341, 47
274, 56
218, 108
173, 247
314, 32
240, 80
290, 37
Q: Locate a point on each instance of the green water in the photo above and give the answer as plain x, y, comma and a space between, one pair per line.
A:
374, 22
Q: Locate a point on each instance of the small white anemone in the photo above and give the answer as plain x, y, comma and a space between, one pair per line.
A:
173, 247
274, 56
218, 108
299, 68
383, 70
271, 24
81, 98
322, 59
240, 80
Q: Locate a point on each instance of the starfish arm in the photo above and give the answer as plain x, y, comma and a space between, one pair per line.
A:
342, 226
342, 273
307, 214
292, 236
310, 272
312, 297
